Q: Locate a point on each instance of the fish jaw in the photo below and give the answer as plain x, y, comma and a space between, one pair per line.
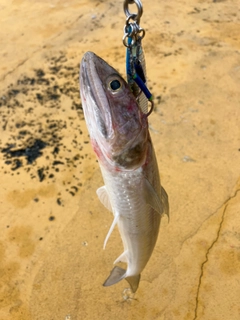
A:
118, 128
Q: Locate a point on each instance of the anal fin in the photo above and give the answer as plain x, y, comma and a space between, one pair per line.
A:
122, 258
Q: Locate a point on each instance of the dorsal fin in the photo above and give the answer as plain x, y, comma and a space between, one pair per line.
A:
165, 202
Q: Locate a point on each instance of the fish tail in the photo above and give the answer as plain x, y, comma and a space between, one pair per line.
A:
117, 274
134, 282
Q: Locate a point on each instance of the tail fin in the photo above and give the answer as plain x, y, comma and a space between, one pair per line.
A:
117, 274
134, 282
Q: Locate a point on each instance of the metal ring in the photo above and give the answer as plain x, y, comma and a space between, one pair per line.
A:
143, 33
132, 29
125, 41
139, 7
132, 16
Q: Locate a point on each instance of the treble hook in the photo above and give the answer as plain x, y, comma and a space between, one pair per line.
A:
151, 109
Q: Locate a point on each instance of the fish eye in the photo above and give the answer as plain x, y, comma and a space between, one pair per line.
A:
115, 85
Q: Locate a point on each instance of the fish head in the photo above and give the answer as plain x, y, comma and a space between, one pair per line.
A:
118, 128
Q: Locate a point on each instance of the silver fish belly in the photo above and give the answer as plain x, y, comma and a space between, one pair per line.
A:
120, 138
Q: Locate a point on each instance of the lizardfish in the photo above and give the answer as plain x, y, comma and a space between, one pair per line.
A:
120, 138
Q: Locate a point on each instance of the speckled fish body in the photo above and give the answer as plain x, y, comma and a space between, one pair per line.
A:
120, 138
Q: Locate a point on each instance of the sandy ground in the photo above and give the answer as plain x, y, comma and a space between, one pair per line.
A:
52, 265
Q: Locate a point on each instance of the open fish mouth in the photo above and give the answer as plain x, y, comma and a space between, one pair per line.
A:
97, 109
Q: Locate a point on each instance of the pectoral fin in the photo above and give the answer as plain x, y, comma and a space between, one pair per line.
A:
152, 198
104, 198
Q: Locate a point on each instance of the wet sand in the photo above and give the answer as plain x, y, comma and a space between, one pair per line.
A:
53, 226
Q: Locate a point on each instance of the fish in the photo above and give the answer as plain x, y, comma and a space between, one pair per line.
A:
132, 190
